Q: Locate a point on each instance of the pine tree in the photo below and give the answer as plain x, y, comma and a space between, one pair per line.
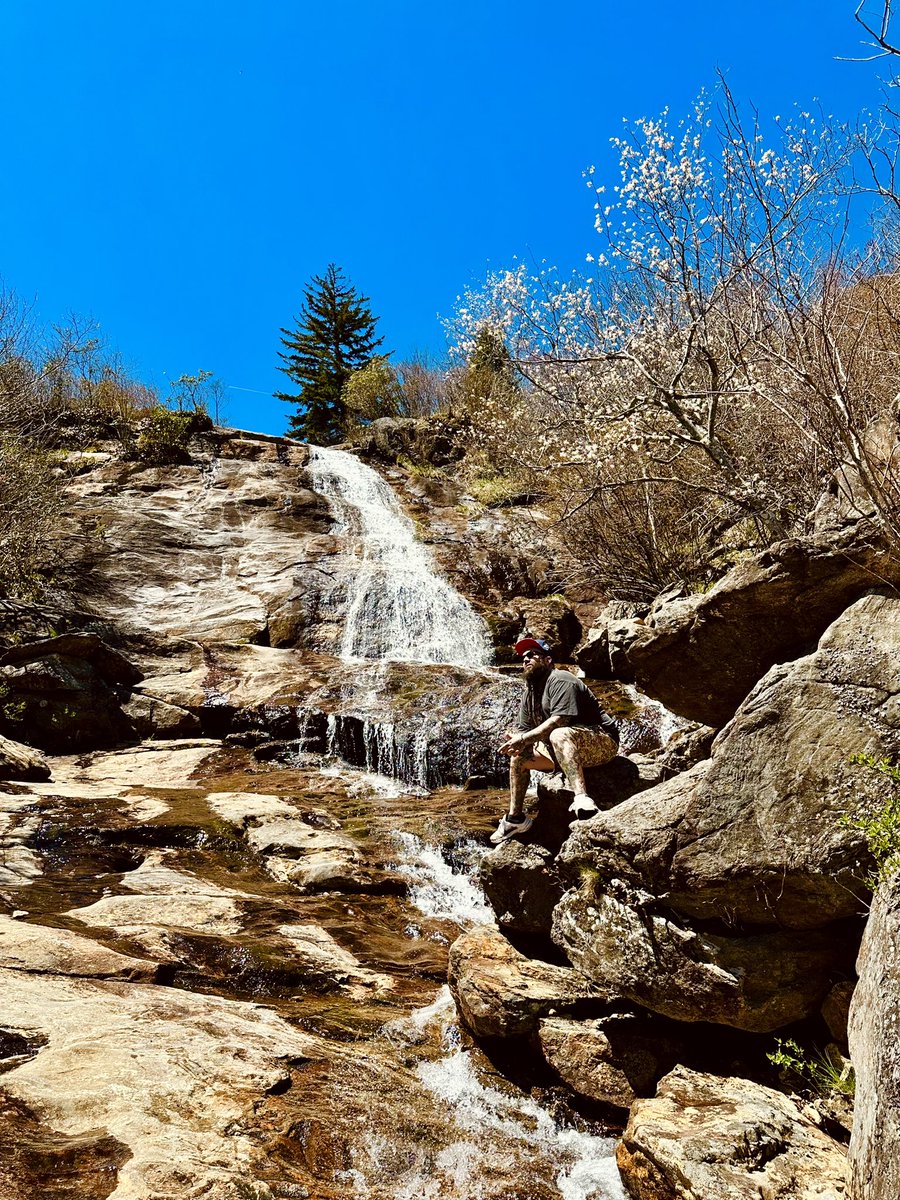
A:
334, 336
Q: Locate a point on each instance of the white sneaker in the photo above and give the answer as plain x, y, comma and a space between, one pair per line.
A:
509, 829
583, 806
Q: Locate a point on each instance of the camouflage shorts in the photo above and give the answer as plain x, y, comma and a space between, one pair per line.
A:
592, 745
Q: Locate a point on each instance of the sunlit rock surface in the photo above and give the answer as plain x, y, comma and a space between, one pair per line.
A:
211, 1028
21, 762
875, 1050
726, 1139
501, 993
611, 1060
701, 654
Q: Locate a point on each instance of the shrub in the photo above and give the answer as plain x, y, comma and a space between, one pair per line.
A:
880, 826
165, 435
818, 1071
29, 509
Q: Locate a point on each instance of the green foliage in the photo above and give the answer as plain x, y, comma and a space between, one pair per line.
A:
371, 392
818, 1071
12, 711
165, 435
200, 393
881, 826
334, 336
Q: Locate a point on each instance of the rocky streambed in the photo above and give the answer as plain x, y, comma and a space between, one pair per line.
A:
226, 978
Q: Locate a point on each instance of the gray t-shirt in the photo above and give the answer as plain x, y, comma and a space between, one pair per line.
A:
564, 695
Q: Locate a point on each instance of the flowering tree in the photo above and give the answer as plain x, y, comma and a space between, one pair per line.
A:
702, 372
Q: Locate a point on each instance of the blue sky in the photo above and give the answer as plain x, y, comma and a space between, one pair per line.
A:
178, 171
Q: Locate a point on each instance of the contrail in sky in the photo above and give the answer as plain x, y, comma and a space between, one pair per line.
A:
234, 388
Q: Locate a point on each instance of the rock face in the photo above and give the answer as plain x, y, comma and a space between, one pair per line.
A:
758, 983
522, 886
501, 994
700, 655
707, 1138
211, 551
65, 693
875, 1051
709, 880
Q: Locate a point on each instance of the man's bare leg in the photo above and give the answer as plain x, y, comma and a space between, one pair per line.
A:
520, 768
564, 748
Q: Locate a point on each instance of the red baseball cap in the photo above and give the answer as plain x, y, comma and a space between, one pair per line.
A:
530, 643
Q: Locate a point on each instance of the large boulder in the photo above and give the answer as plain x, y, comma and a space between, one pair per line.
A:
701, 654
500, 993
755, 835
610, 1060
66, 693
708, 1138
758, 982
749, 848
875, 1052
522, 886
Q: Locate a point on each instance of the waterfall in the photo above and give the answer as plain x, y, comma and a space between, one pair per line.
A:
398, 608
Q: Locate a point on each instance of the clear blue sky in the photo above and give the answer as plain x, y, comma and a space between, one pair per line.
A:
178, 171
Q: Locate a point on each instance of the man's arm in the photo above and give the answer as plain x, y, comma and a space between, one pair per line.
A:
527, 737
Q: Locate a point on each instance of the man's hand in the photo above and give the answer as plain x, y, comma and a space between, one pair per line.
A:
514, 741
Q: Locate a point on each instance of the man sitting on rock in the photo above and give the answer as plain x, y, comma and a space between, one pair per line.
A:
561, 725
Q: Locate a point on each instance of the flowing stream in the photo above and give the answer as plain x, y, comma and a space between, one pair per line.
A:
399, 609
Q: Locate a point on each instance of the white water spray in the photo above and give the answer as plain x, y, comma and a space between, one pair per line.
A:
494, 1132
398, 608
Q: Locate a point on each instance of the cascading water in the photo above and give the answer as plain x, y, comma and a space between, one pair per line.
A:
398, 608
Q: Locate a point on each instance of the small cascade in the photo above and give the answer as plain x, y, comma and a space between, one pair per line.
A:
441, 886
651, 726
424, 752
493, 1137
398, 608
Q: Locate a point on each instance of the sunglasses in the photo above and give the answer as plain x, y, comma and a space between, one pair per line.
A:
533, 654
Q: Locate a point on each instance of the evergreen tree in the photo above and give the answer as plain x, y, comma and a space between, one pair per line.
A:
334, 336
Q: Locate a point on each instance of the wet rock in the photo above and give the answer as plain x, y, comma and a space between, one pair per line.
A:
755, 982
701, 655
521, 886
611, 1060
501, 993
875, 1051
19, 864
36, 1160
309, 856
42, 950
171, 1075
726, 1139
21, 762
331, 964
